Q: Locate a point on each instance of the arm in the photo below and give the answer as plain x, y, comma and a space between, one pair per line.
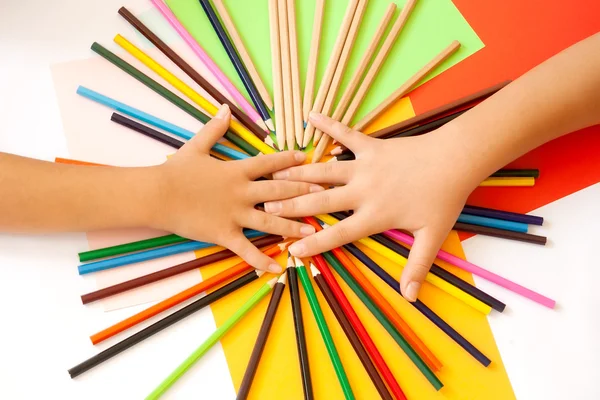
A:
407, 183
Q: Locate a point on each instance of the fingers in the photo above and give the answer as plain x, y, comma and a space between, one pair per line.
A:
261, 165
346, 231
214, 129
324, 202
278, 190
267, 223
253, 256
331, 172
352, 139
422, 254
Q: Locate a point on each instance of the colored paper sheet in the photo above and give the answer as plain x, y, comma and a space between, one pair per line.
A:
433, 25
463, 377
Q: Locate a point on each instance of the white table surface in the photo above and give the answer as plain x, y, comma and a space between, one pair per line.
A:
44, 329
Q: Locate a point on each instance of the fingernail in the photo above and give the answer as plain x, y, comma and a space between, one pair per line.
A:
315, 116
299, 156
297, 249
273, 207
223, 112
274, 268
307, 230
316, 188
281, 175
412, 291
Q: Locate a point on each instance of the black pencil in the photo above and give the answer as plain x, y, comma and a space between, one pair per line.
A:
147, 131
261, 339
162, 324
299, 327
237, 63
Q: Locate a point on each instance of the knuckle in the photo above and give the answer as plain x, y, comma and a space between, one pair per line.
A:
325, 201
343, 234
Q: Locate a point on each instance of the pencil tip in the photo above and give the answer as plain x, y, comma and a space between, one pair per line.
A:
314, 270
259, 272
332, 159
284, 245
299, 262
283, 278
272, 282
270, 125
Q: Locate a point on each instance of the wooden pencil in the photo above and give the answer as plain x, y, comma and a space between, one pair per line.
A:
408, 85
299, 329
286, 73
311, 70
261, 339
330, 70
375, 67
505, 215
243, 52
147, 131
237, 63
324, 142
508, 182
189, 71
277, 73
295, 72
500, 233
351, 335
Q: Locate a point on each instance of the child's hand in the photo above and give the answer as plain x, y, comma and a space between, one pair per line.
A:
418, 184
211, 200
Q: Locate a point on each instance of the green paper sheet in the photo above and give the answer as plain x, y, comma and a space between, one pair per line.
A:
431, 27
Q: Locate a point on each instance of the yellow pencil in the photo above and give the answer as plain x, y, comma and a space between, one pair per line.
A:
432, 279
238, 128
506, 181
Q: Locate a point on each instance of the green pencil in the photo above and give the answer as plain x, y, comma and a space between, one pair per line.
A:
324, 329
383, 320
131, 247
212, 340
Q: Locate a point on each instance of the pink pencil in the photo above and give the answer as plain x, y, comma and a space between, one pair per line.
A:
209, 63
474, 269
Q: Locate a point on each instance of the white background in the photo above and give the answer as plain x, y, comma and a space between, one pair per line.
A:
44, 328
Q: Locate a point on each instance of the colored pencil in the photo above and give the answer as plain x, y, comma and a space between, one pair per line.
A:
493, 223
330, 70
354, 81
243, 53
311, 72
167, 94
427, 127
286, 74
445, 275
178, 298
150, 254
516, 173
476, 270
422, 308
500, 233
375, 67
408, 85
235, 126
351, 335
60, 160
507, 182
359, 328
340, 70
191, 72
146, 131
131, 247
299, 329
324, 329
402, 327
237, 63
261, 340
277, 73
431, 278
210, 64
382, 319
171, 271
212, 339
164, 323
295, 72
505, 215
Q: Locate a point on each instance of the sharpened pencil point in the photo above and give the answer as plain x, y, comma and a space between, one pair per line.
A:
314, 270
283, 246
299, 262
259, 273
336, 151
283, 278
272, 282
262, 125
332, 159
270, 125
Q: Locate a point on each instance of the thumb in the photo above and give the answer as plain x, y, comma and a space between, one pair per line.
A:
422, 254
206, 138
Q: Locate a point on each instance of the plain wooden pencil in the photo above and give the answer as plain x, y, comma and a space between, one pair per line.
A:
408, 85
311, 72
331, 67
386, 47
294, 70
277, 78
286, 73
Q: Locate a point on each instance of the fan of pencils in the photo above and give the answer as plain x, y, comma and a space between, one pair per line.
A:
255, 131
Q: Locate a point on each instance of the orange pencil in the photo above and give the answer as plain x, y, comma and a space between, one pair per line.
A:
411, 337
179, 297
60, 160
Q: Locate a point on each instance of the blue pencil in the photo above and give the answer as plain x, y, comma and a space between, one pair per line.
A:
493, 223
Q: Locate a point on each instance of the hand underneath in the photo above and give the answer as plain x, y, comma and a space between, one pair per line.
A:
209, 200
419, 184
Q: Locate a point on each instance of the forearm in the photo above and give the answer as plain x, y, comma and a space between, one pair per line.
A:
38, 196
559, 96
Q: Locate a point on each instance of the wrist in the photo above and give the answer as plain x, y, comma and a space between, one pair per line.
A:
143, 197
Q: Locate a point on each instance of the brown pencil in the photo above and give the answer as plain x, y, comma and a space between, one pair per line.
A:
500, 233
351, 335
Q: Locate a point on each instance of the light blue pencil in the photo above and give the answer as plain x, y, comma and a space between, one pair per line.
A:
493, 223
